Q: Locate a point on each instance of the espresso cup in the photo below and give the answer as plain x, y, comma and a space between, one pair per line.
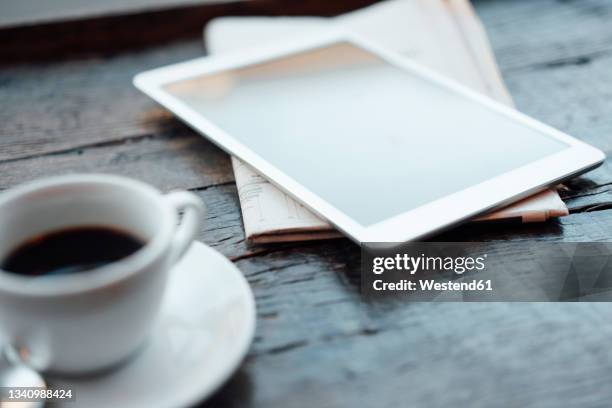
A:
90, 321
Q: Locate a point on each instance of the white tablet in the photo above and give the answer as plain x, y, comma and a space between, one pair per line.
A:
383, 148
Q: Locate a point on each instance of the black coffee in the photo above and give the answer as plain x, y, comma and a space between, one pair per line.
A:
70, 250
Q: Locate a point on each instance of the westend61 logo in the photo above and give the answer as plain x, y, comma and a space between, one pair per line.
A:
414, 264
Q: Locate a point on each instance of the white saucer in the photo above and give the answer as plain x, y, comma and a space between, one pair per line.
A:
206, 326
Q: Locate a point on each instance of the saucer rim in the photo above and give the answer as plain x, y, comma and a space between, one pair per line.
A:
239, 357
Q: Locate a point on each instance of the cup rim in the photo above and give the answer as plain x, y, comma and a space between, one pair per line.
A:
104, 276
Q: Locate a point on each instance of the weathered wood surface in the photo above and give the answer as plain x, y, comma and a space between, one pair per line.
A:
318, 343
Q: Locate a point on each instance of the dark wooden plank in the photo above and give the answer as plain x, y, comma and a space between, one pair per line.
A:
319, 343
168, 160
550, 33
52, 107
426, 355
555, 77
586, 200
222, 228
573, 98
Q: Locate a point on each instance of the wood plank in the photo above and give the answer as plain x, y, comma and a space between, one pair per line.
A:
557, 78
595, 198
179, 159
550, 33
341, 350
222, 228
574, 98
425, 355
50, 107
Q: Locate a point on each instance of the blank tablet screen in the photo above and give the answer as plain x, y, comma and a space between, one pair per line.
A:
372, 139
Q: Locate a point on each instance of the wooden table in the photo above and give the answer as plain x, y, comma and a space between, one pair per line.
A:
67, 105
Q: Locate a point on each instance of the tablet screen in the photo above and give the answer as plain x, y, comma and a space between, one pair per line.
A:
370, 138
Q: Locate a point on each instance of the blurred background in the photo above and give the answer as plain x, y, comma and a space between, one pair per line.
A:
31, 28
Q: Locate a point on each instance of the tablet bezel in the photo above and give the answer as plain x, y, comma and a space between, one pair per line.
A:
412, 224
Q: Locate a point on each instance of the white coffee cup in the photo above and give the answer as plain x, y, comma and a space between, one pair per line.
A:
90, 321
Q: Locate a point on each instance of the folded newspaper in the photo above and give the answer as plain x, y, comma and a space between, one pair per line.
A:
444, 35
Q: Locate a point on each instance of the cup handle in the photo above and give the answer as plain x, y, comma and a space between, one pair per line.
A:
193, 211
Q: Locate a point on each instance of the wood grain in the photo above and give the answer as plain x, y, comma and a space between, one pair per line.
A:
57, 106
168, 159
547, 33
319, 343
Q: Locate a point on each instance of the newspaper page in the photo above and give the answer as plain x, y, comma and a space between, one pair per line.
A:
444, 35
